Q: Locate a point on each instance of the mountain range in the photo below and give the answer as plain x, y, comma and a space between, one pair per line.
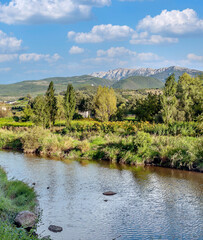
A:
119, 78
161, 73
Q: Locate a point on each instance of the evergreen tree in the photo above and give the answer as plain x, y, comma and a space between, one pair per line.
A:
40, 114
105, 103
27, 113
51, 103
168, 100
60, 108
69, 104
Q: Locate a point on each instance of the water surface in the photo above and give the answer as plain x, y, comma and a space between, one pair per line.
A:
151, 203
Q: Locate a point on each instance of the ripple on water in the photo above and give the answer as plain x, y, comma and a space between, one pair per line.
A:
151, 203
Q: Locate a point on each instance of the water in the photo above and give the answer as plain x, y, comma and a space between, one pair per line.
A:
151, 203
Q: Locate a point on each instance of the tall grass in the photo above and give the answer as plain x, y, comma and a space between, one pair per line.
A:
179, 151
15, 196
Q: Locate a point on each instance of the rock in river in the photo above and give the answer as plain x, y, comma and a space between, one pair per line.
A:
109, 193
25, 219
54, 228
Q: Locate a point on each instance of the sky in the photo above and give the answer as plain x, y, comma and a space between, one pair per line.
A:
49, 38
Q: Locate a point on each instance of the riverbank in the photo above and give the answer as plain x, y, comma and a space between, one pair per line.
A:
15, 196
180, 152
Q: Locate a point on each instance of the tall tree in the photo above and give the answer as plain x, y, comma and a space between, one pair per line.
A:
189, 93
60, 108
105, 103
148, 109
40, 114
168, 100
51, 103
69, 104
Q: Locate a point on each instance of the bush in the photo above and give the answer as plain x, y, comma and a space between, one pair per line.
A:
84, 146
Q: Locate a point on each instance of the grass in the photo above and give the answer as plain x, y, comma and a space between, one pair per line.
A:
9, 122
15, 196
182, 152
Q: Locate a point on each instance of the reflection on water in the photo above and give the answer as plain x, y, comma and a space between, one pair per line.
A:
151, 203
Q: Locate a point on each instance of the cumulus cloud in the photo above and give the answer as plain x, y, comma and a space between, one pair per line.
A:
101, 33
8, 57
45, 11
148, 57
27, 57
146, 39
121, 57
175, 22
122, 53
8, 43
76, 50
194, 57
116, 52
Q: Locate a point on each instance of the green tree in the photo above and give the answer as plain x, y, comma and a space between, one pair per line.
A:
105, 103
190, 95
51, 103
168, 100
148, 109
40, 114
27, 113
60, 108
69, 104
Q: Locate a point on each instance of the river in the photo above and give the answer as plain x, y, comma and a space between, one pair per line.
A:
151, 202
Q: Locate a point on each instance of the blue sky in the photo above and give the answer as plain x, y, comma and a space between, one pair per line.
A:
47, 38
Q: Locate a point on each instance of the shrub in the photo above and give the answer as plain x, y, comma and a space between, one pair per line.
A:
84, 146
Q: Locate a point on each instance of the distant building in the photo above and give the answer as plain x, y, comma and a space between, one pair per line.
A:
85, 114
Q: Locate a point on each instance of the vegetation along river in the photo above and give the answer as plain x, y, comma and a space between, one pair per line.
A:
151, 203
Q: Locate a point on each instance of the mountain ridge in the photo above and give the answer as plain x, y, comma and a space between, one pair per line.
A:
160, 73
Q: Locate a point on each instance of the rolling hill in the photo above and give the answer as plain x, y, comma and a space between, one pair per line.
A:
138, 82
36, 87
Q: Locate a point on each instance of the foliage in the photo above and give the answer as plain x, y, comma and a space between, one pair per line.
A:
40, 112
27, 113
168, 100
105, 103
51, 104
69, 104
148, 109
15, 196
60, 108
190, 95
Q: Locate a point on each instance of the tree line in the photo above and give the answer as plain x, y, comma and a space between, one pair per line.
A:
179, 101
44, 110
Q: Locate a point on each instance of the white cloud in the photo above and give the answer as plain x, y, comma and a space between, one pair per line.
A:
123, 53
175, 21
76, 50
101, 33
7, 57
134, 0
116, 57
146, 57
145, 39
194, 57
44, 11
116, 52
9, 44
27, 57
5, 69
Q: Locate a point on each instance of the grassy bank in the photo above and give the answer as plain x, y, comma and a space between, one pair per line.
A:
192, 129
139, 147
15, 196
